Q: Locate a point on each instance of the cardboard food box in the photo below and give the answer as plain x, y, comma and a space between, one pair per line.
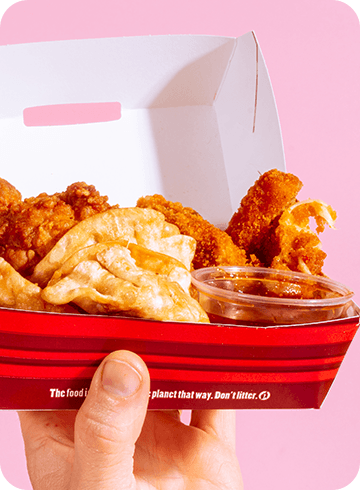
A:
189, 117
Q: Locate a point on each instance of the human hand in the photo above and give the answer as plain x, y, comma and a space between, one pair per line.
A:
114, 443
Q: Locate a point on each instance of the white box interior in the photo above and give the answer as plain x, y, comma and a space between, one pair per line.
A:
198, 119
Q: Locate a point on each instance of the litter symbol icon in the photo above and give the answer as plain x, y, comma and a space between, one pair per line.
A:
264, 395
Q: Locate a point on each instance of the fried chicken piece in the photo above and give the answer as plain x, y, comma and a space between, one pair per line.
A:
253, 224
214, 246
300, 246
9, 195
30, 228
84, 200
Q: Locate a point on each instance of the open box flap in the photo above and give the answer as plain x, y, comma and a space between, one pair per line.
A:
248, 124
187, 123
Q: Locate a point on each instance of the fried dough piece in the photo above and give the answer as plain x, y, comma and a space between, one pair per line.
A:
106, 279
253, 223
143, 258
213, 246
19, 293
30, 228
300, 246
162, 264
141, 226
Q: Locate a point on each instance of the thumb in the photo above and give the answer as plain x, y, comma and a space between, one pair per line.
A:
109, 423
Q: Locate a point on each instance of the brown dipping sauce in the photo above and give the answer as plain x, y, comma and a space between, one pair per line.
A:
275, 288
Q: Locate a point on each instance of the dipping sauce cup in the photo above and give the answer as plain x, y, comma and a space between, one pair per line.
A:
257, 296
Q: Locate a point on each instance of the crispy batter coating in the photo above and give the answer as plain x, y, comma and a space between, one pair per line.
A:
9, 195
84, 200
252, 224
30, 228
214, 246
299, 246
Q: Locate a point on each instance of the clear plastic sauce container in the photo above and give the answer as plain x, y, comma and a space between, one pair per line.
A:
260, 296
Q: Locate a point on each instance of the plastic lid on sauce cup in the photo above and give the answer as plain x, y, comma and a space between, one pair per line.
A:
258, 296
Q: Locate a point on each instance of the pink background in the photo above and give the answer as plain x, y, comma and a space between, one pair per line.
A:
311, 48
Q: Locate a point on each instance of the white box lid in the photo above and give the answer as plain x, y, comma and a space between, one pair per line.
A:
198, 119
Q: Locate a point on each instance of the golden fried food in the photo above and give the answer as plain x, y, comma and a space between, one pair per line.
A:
299, 246
144, 227
9, 195
106, 279
30, 228
19, 293
137, 261
213, 246
162, 264
253, 223
143, 258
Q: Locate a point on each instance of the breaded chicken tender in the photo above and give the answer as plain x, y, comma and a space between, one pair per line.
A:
214, 246
252, 225
31, 227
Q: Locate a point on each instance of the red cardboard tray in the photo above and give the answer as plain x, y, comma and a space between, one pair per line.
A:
47, 360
